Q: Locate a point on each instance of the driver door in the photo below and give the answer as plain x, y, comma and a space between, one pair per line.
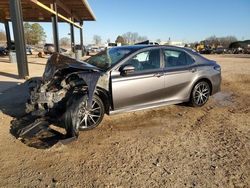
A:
143, 86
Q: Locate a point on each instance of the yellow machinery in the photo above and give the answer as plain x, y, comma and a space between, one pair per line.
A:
203, 48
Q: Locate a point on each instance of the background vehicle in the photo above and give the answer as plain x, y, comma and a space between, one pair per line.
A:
219, 50
239, 47
83, 48
28, 50
12, 47
121, 79
93, 50
48, 48
111, 45
147, 42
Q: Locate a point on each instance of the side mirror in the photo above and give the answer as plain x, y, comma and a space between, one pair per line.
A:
127, 69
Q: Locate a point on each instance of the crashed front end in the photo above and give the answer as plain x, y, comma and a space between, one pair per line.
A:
62, 78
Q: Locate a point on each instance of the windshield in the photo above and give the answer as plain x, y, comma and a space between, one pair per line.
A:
109, 57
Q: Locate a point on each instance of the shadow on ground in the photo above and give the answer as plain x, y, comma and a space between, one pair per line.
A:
12, 103
6, 85
9, 75
12, 100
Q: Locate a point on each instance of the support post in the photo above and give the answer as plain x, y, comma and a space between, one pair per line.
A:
17, 23
81, 37
54, 19
72, 37
7, 31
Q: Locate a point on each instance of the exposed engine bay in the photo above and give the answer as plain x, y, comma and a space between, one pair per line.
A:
61, 79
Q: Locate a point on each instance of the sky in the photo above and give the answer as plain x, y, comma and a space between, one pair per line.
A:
179, 20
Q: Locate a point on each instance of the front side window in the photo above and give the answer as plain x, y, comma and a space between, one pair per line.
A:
175, 58
147, 60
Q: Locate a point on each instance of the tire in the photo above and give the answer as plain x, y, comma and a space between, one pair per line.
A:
200, 94
77, 118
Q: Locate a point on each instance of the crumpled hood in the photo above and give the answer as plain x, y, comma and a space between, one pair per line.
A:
89, 73
58, 62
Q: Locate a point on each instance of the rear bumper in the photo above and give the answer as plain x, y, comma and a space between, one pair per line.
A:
216, 83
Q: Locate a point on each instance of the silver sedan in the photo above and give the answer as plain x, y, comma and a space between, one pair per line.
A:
122, 79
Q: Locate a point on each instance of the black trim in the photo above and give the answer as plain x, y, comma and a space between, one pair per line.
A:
111, 92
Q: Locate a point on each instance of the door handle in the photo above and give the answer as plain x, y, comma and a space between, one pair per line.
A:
193, 70
158, 75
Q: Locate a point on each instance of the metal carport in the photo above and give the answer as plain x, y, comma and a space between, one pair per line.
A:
17, 11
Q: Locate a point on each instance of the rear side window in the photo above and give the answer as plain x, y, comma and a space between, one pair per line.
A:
175, 58
189, 59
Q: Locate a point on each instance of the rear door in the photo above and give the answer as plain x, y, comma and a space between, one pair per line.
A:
142, 87
179, 72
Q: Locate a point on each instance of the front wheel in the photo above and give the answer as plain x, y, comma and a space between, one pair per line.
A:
200, 94
79, 118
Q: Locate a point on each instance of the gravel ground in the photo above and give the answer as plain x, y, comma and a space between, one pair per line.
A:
173, 146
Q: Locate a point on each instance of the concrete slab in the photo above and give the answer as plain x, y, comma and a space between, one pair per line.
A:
9, 74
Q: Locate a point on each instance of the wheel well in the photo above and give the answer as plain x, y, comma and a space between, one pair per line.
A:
206, 80
104, 96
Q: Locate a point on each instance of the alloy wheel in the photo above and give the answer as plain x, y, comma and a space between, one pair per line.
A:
89, 118
201, 93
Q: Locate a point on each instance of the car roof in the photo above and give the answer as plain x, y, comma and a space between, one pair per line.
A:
142, 46
190, 51
133, 47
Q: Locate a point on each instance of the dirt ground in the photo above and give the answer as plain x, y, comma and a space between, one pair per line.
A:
173, 146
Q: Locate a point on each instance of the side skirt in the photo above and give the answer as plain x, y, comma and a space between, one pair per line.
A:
145, 106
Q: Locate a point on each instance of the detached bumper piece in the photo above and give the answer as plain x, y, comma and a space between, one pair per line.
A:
33, 129
36, 132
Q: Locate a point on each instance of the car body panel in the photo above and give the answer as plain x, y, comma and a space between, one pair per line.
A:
137, 89
178, 81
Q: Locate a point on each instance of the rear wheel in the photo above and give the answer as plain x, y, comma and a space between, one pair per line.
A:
78, 117
200, 94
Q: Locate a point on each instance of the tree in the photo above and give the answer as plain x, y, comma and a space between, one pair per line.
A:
34, 33
158, 40
142, 38
27, 32
226, 41
135, 38
193, 44
132, 38
212, 41
65, 41
97, 39
220, 41
120, 39
127, 37
2, 35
